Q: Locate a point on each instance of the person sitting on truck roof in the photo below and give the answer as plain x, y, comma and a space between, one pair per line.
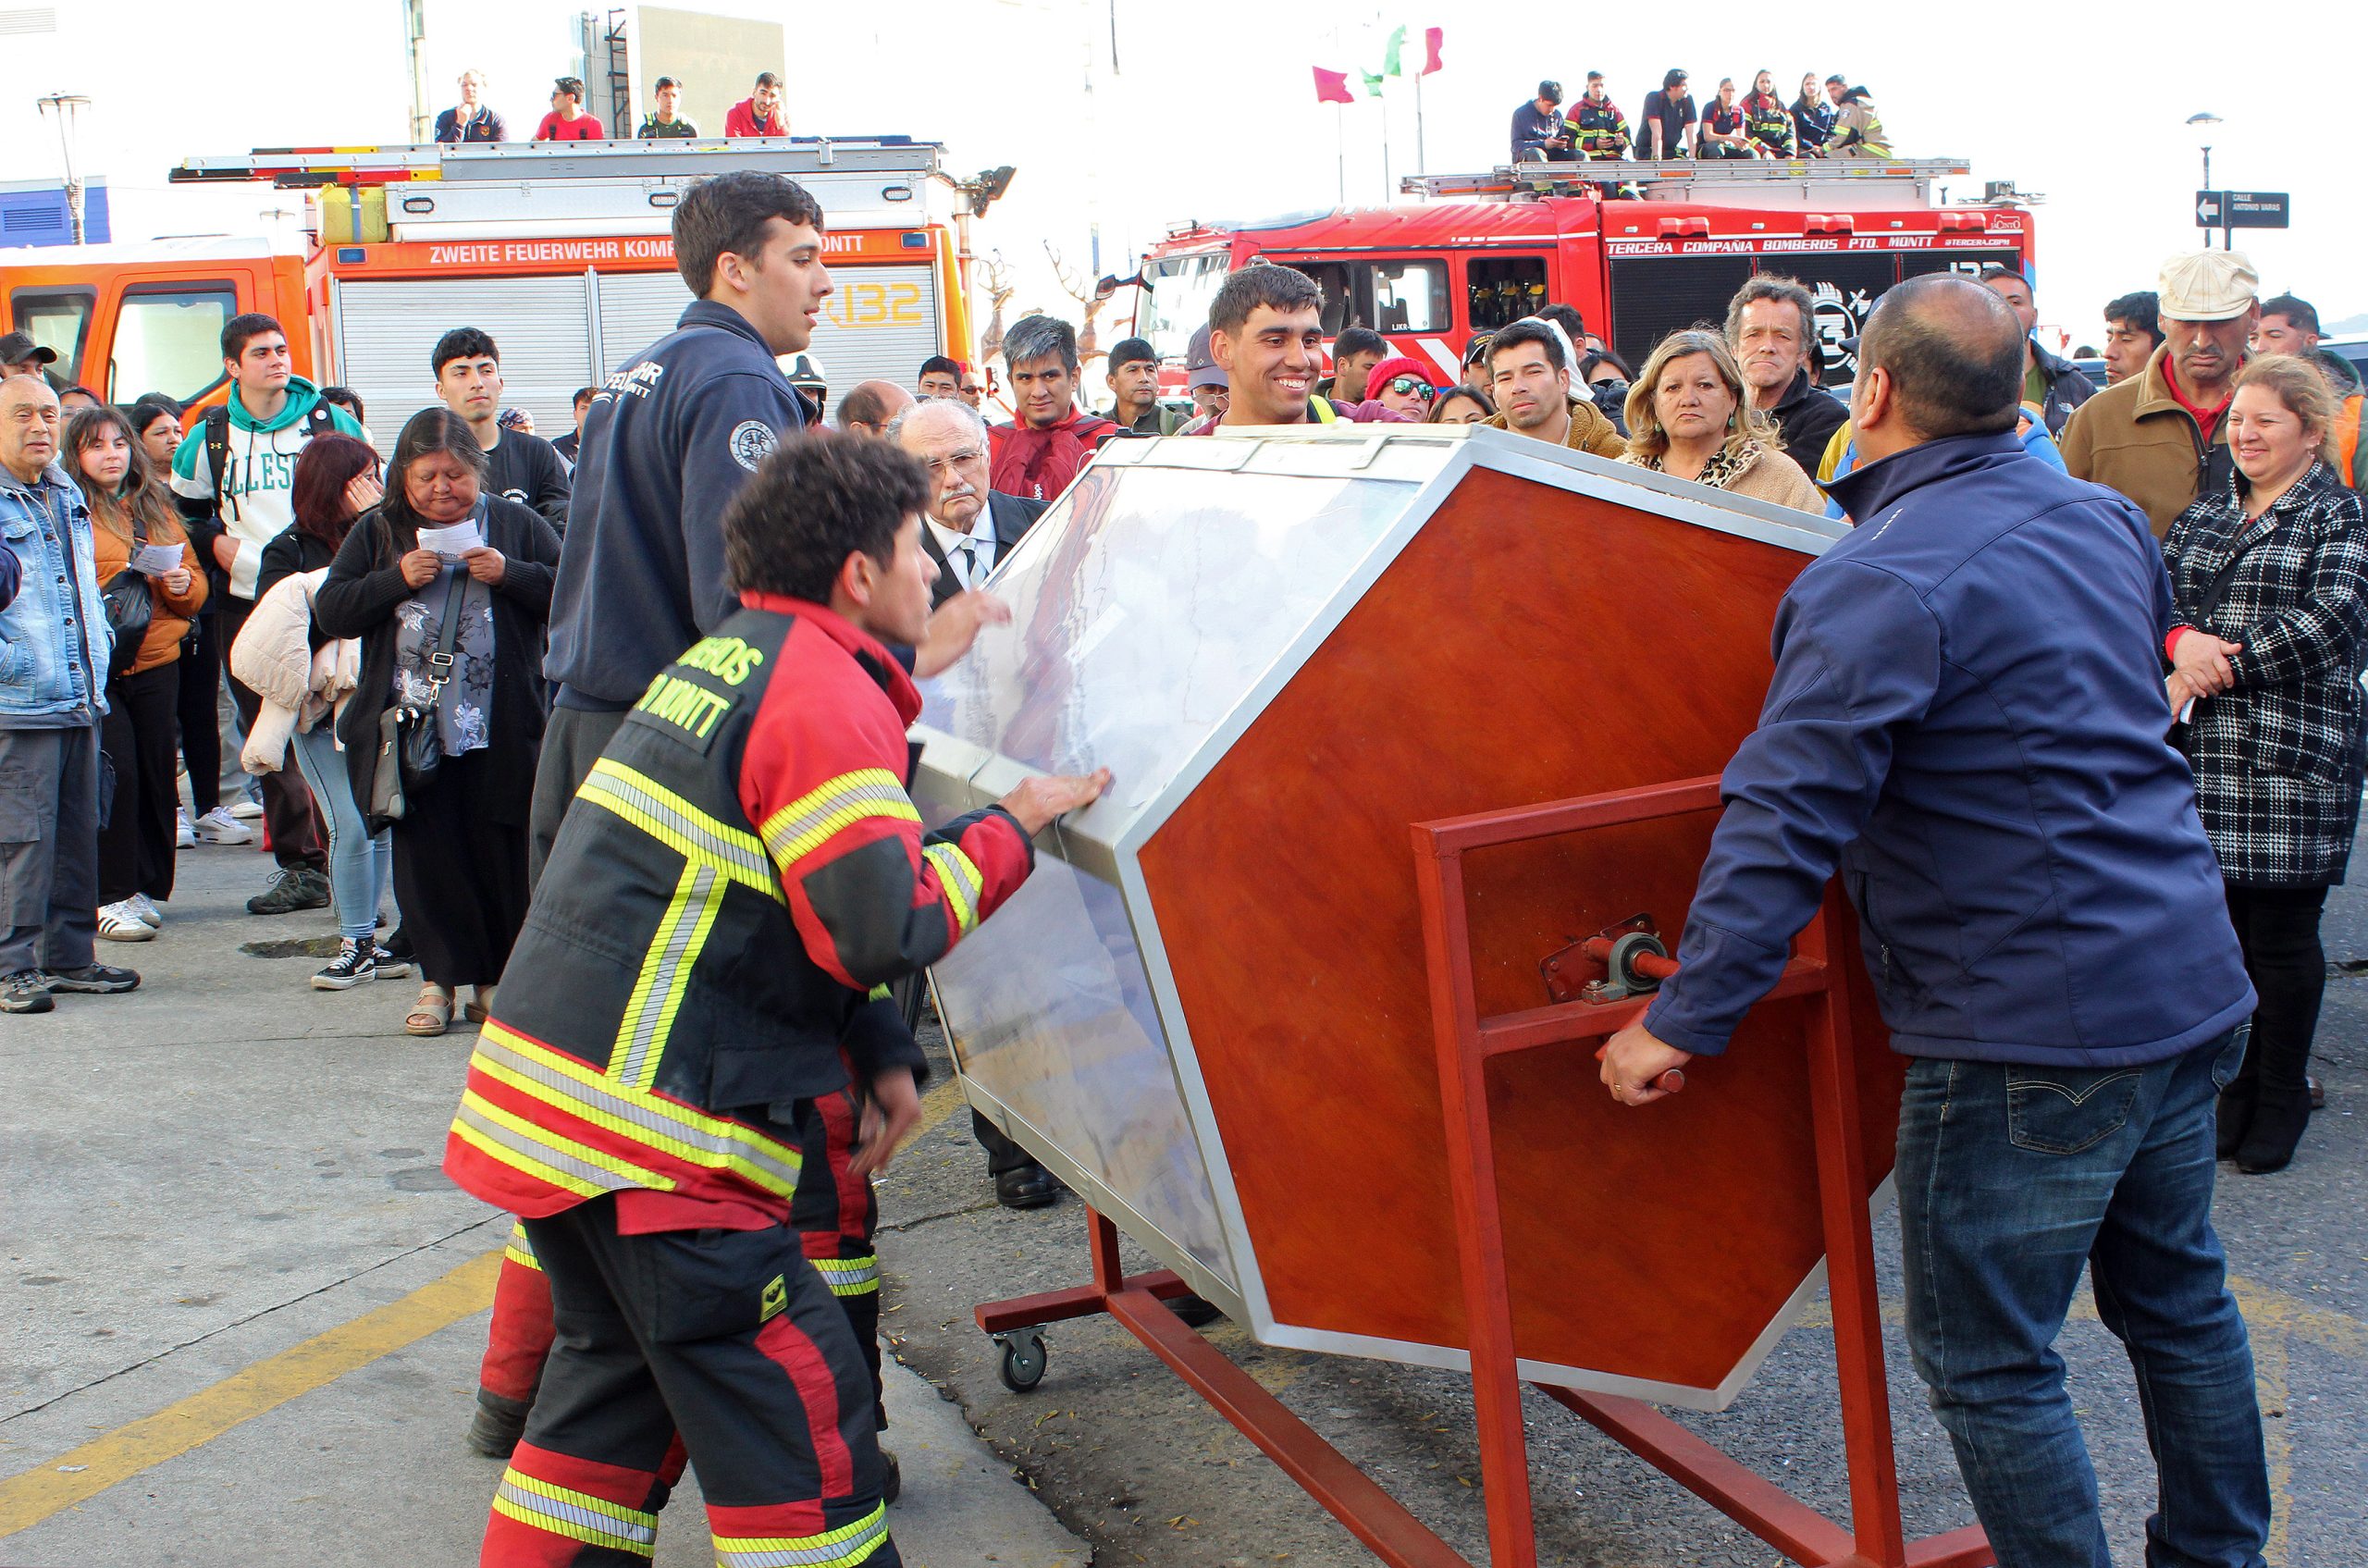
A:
1671, 124
1690, 416
2050, 380
1812, 119
1770, 323
761, 113
1602, 129
941, 376
664, 124
2133, 331
1540, 134
470, 119
1354, 354
1765, 119
1530, 372
1049, 437
1724, 132
567, 122
520, 466
1857, 128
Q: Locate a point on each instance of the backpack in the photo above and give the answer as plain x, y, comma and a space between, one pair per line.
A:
319, 420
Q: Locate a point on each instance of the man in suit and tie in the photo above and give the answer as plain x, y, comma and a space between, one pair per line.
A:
968, 531
969, 527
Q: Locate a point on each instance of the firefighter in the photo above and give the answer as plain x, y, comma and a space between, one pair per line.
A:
1602, 129
740, 879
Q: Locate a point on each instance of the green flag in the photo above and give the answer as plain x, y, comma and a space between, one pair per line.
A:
1389, 60
1372, 85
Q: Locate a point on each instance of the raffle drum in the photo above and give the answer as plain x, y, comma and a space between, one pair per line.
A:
1220, 1009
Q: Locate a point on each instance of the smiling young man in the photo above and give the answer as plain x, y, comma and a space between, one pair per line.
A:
520, 466
1041, 451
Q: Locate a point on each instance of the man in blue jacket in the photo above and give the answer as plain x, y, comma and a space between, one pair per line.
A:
1966, 719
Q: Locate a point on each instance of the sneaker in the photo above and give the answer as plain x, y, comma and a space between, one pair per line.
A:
92, 980
397, 947
244, 809
26, 991
121, 922
184, 832
218, 826
146, 909
355, 963
292, 888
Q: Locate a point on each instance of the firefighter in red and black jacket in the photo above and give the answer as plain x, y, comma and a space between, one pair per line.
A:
739, 879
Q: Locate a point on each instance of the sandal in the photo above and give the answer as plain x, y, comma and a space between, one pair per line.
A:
431, 1012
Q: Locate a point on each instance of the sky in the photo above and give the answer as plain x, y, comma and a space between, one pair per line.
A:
1208, 110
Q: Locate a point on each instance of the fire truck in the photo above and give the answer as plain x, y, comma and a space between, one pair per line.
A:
1666, 249
562, 250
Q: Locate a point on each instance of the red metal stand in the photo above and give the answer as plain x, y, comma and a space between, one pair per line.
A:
1466, 1044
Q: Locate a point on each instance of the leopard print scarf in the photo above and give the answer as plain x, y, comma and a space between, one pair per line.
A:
1724, 464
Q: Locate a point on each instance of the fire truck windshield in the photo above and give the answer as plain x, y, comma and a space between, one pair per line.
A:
1182, 288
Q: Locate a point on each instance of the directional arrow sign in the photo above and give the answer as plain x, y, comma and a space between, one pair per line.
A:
2208, 205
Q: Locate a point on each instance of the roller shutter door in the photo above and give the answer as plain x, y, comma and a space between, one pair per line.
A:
386, 331
880, 322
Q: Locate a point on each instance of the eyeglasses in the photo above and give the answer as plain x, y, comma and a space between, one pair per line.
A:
1410, 386
951, 461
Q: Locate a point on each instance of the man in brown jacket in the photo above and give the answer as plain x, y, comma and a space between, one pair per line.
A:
2161, 437
1531, 376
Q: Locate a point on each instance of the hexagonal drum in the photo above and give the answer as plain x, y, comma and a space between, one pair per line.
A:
1207, 1010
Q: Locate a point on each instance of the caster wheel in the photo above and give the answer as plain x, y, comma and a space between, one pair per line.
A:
1023, 1359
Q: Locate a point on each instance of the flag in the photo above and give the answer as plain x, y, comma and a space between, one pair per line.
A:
1332, 87
1389, 57
1373, 85
1432, 37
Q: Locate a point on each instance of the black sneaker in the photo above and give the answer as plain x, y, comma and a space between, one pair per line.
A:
26, 991
355, 963
397, 948
292, 888
92, 980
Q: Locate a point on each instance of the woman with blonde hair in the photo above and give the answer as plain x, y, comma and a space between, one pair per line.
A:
2270, 582
1690, 417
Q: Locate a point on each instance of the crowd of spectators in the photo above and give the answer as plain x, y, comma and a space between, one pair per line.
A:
472, 120
1836, 120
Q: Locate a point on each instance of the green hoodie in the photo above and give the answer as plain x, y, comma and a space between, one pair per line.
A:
257, 491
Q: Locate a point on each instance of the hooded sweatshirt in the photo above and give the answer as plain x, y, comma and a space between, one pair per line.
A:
1039, 464
256, 493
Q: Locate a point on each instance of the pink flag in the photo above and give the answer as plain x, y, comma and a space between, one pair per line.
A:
1332, 87
1432, 37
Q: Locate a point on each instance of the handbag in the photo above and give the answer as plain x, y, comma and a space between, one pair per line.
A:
409, 750
131, 605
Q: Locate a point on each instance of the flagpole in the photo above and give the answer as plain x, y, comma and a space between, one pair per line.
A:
1340, 140
1421, 155
1385, 150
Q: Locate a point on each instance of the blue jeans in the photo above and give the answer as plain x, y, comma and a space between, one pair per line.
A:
2011, 1178
360, 868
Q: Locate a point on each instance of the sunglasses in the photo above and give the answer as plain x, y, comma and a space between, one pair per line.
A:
1410, 386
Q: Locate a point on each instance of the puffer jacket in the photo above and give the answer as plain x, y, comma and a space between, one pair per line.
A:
54, 636
300, 685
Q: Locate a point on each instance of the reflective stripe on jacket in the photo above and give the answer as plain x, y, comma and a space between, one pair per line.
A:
739, 875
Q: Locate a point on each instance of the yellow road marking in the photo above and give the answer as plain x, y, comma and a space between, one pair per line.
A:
937, 1105
70, 1479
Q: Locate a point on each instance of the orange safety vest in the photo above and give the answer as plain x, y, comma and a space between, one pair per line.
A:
2351, 463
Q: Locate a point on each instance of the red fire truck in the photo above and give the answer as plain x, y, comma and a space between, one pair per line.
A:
563, 250
1486, 250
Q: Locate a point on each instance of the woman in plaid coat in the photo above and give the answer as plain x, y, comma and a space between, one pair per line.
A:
2271, 585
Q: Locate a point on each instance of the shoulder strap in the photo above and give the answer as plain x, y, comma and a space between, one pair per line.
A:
320, 419
447, 633
217, 448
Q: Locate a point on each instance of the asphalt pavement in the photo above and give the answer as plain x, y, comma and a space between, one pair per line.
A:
244, 1310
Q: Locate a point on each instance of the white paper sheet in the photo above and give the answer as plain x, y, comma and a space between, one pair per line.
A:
456, 540
154, 560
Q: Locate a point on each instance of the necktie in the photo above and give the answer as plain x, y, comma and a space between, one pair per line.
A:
965, 558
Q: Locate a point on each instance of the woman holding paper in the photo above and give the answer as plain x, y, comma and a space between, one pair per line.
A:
136, 529
450, 589
2270, 582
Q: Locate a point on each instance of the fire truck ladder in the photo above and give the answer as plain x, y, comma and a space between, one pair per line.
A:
1757, 181
510, 162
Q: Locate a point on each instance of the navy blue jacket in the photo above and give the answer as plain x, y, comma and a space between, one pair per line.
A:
668, 442
1968, 719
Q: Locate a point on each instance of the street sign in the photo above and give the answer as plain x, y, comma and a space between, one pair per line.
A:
2242, 209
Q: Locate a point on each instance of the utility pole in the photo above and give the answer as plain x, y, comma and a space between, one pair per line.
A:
66, 105
423, 118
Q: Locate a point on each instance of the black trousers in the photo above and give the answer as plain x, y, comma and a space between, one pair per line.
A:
572, 741
297, 838
2278, 929
726, 1336
200, 668
460, 877
136, 847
